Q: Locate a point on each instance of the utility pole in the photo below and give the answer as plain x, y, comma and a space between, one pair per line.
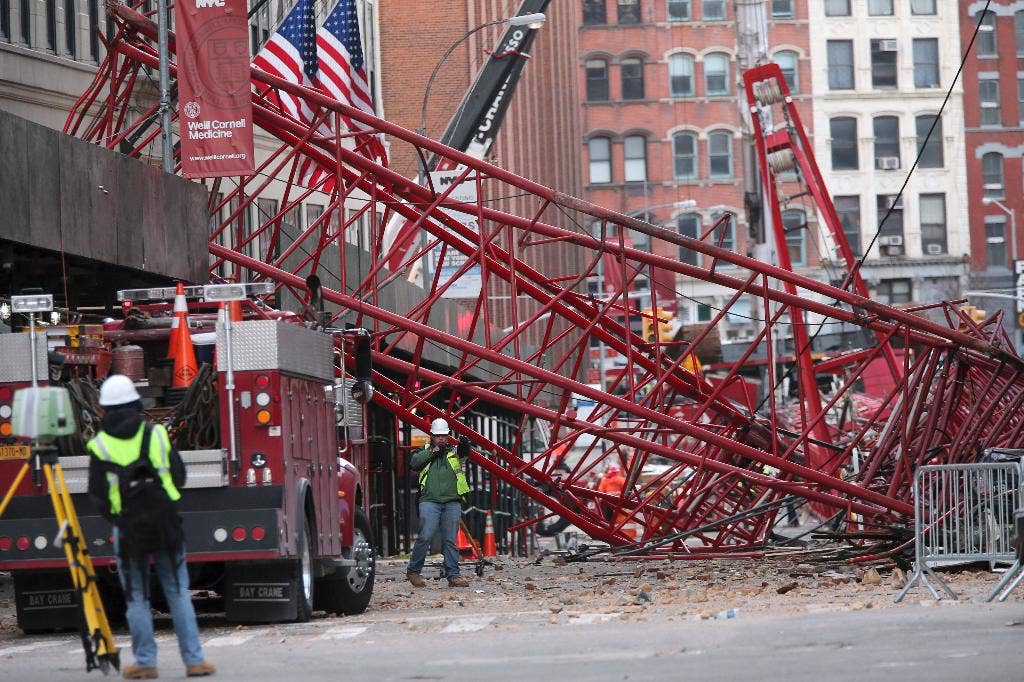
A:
165, 86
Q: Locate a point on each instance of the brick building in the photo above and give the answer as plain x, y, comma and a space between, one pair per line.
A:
993, 98
663, 132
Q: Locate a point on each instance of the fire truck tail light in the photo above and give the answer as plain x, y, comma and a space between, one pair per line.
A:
40, 542
263, 417
5, 394
250, 476
5, 429
5, 543
22, 542
238, 534
220, 534
267, 477
262, 399
262, 381
258, 533
5, 411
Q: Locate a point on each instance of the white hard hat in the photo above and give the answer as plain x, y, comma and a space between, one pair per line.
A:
117, 390
439, 427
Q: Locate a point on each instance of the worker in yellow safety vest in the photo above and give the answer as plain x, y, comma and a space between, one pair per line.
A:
135, 476
442, 476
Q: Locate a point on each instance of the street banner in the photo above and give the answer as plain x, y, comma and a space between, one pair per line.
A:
1018, 283
214, 105
469, 283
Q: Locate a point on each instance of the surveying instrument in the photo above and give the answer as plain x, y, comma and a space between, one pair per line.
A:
43, 414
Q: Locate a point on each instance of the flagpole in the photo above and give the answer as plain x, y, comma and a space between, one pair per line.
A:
165, 86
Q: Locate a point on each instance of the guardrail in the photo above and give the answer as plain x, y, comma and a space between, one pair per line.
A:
962, 513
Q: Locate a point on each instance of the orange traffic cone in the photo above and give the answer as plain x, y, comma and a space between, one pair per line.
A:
490, 546
185, 367
464, 543
179, 322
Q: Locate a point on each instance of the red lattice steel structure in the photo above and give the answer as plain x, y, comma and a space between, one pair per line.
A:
725, 464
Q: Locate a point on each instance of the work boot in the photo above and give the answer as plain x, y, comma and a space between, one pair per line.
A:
416, 580
200, 669
139, 672
458, 581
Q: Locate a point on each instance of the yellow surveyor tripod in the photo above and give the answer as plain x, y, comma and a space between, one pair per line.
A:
40, 404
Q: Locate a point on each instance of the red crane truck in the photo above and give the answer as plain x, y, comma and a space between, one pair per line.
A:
275, 517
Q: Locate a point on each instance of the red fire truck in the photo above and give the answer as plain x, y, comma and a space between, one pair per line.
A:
274, 514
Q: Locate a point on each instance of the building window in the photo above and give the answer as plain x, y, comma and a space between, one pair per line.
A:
926, 62
688, 225
712, 10
880, 8
724, 236
782, 8
892, 291
678, 10
599, 149
593, 12
848, 208
632, 73
840, 64
716, 74
629, 11
94, 27
794, 224
992, 175
995, 241
26, 24
51, 25
703, 312
922, 6
5, 20
635, 153
844, 143
1018, 31
1020, 99
680, 75
933, 224
930, 152
70, 28
684, 153
787, 61
720, 154
597, 80
259, 27
837, 8
985, 45
887, 142
890, 218
988, 94
883, 63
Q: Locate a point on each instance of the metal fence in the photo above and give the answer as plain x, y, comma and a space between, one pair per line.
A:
962, 513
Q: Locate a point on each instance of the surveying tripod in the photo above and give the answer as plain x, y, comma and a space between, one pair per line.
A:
97, 639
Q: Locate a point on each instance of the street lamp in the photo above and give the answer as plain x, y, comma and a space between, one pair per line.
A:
533, 21
989, 201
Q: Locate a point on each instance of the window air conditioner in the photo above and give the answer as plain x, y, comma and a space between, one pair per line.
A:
887, 163
933, 249
890, 240
888, 45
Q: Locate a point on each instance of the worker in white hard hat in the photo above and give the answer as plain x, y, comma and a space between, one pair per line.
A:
442, 485
135, 479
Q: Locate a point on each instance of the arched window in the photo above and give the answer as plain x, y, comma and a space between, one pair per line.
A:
794, 224
597, 80
887, 142
716, 74
599, 150
843, 130
787, 61
720, 154
635, 158
985, 45
992, 175
680, 75
688, 225
684, 154
632, 72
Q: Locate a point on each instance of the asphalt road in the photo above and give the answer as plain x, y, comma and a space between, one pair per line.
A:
960, 641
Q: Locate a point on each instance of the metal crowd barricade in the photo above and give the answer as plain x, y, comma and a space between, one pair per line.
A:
962, 513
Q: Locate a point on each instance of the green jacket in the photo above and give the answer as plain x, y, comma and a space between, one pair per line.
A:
443, 479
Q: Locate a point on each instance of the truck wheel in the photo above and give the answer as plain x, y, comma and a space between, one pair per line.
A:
303, 581
349, 589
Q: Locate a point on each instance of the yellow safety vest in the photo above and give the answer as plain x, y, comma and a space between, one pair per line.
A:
124, 452
461, 484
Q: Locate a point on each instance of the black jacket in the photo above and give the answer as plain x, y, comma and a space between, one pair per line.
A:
124, 423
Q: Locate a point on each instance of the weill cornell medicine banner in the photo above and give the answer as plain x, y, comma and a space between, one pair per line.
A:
214, 105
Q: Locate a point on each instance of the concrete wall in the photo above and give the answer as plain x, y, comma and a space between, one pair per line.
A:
60, 193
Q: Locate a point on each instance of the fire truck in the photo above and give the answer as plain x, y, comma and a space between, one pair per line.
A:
274, 510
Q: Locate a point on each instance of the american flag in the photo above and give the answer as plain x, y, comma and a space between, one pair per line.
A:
341, 74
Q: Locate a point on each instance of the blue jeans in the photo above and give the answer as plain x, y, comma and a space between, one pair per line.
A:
434, 516
139, 616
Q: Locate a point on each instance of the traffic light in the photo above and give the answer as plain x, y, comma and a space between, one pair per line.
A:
647, 325
657, 326
664, 325
976, 314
